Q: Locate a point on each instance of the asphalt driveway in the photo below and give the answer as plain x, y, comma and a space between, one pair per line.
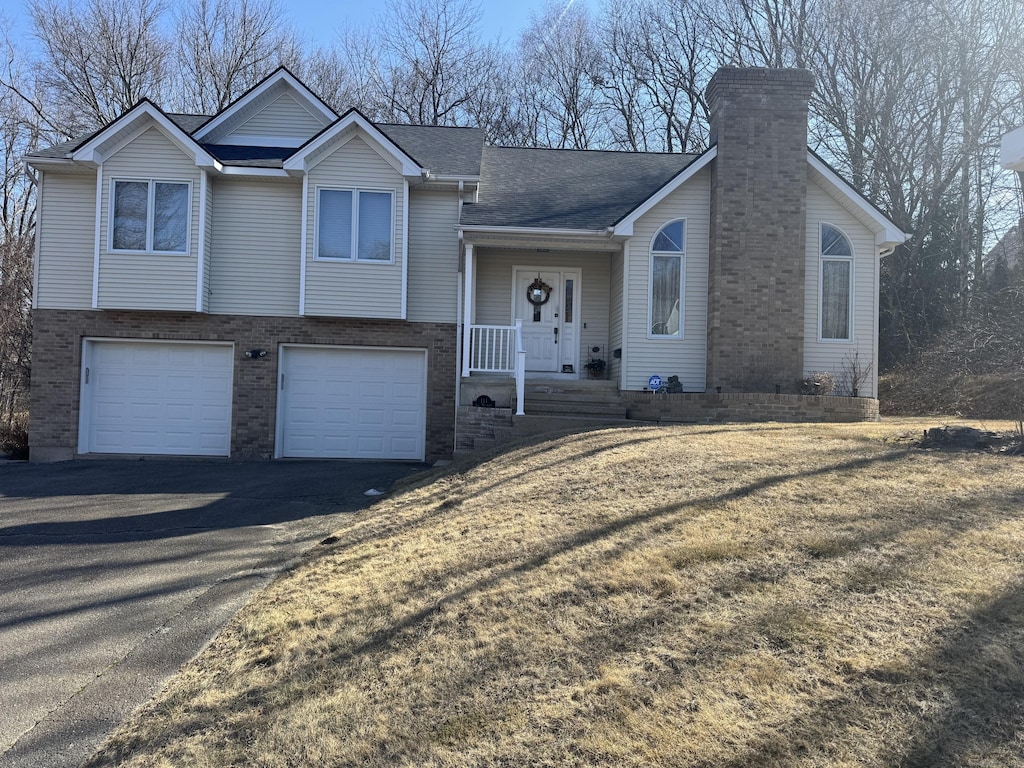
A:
113, 573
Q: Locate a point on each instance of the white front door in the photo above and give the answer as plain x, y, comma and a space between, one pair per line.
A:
549, 328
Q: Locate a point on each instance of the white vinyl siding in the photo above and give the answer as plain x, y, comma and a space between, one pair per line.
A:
433, 257
67, 241
149, 280
351, 288
831, 355
615, 318
668, 356
207, 257
255, 254
283, 117
494, 289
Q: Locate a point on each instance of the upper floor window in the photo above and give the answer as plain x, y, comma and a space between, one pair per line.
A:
836, 285
355, 223
150, 216
666, 285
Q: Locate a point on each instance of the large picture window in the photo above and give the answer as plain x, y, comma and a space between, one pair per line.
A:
666, 287
150, 216
836, 285
355, 224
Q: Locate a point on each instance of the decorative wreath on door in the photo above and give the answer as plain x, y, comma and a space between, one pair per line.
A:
538, 292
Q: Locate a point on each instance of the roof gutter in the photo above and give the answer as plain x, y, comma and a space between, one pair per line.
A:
36, 162
482, 228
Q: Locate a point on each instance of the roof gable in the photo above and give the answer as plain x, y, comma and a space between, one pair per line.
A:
335, 135
887, 234
624, 226
132, 123
261, 97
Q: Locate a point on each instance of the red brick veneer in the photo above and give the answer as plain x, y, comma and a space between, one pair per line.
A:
57, 353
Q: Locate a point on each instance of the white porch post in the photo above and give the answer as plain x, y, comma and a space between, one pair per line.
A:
520, 369
467, 307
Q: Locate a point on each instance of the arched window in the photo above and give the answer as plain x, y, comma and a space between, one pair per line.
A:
665, 305
836, 289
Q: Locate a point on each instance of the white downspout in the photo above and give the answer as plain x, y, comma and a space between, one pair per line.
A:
467, 307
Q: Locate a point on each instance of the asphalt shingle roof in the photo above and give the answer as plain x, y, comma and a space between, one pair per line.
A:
566, 189
519, 187
186, 122
445, 151
263, 157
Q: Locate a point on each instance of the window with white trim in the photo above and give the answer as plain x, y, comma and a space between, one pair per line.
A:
150, 216
836, 289
665, 304
355, 224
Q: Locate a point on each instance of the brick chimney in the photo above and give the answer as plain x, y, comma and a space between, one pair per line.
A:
758, 227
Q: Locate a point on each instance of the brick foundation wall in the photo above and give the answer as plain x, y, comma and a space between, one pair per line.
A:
703, 408
758, 222
57, 360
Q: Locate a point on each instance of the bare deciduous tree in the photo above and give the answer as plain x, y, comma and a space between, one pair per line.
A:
561, 67
224, 47
101, 57
909, 104
422, 62
20, 131
656, 65
765, 33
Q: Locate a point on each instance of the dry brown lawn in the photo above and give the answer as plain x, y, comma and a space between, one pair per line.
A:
767, 595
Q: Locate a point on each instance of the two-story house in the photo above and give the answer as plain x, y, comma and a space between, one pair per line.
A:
278, 280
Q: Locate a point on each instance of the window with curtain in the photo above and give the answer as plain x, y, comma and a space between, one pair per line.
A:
836, 285
354, 223
666, 288
150, 216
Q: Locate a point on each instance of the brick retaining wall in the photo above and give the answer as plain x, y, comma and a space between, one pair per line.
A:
702, 407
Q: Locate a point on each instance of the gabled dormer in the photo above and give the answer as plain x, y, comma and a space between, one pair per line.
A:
355, 214
150, 234
278, 112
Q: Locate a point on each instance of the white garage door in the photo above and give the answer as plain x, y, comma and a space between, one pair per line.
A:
156, 398
352, 403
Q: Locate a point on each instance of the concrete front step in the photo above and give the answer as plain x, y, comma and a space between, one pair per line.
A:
575, 408
591, 398
569, 386
589, 402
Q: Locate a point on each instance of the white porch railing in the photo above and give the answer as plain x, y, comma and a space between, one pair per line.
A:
499, 349
492, 349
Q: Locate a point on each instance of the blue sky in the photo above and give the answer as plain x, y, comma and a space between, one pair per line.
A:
320, 19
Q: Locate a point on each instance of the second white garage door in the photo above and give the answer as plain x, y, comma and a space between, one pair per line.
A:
352, 403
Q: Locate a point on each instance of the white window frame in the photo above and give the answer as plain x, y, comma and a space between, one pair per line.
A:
681, 255
150, 217
851, 260
355, 224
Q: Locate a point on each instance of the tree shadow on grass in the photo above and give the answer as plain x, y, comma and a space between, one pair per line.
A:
993, 718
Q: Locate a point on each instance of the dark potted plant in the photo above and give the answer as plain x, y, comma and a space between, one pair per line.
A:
596, 367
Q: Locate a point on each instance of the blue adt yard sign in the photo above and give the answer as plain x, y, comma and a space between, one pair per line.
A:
654, 383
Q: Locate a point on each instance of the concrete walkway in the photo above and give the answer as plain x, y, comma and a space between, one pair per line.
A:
114, 573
